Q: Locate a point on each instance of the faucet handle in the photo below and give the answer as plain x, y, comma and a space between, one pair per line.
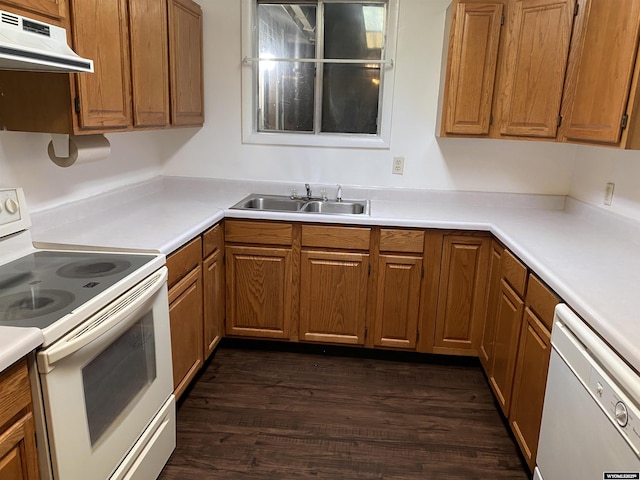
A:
339, 194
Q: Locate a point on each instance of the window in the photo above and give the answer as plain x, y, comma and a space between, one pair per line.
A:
318, 72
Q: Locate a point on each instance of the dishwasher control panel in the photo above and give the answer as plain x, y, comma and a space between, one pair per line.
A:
618, 407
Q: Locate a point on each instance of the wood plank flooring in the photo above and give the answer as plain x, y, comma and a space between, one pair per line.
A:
279, 412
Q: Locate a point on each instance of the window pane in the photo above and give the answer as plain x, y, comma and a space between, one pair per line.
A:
351, 92
350, 98
353, 30
286, 89
285, 96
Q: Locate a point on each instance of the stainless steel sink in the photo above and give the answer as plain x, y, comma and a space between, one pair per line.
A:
345, 207
270, 202
282, 203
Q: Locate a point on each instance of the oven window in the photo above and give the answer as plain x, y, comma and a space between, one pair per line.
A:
118, 375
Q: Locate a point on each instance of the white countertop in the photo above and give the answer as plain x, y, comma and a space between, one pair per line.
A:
588, 256
16, 342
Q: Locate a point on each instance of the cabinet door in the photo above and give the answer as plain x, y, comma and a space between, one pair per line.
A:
101, 32
536, 51
149, 62
18, 457
185, 315
505, 347
471, 67
488, 333
214, 292
185, 61
259, 296
51, 11
397, 301
333, 296
529, 385
461, 294
601, 67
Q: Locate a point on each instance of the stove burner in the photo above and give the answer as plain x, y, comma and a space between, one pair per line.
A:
26, 305
93, 268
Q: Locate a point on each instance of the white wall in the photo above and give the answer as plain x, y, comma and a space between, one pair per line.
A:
217, 151
446, 164
595, 166
24, 162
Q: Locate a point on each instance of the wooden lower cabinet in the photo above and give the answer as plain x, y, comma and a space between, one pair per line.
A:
530, 377
488, 333
333, 296
397, 301
18, 456
185, 314
461, 294
529, 387
213, 287
259, 291
505, 347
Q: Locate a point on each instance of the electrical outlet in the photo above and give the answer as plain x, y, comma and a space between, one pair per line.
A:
608, 193
398, 166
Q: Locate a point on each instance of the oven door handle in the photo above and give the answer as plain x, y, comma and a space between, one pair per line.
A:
115, 319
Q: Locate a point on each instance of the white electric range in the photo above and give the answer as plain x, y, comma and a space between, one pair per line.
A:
102, 380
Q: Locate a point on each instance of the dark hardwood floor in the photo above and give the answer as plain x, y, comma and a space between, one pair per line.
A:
262, 413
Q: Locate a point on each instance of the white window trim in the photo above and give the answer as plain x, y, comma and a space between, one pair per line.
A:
250, 133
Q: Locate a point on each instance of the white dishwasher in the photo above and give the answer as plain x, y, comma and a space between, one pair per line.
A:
591, 417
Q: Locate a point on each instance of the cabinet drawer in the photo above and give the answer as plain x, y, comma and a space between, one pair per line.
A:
409, 241
265, 233
352, 238
212, 240
183, 260
541, 300
514, 272
15, 393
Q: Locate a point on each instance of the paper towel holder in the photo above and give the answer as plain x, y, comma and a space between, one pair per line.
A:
62, 148
59, 144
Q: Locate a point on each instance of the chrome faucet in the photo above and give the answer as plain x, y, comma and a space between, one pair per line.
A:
339, 194
309, 195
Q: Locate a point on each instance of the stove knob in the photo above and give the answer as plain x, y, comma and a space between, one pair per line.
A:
11, 205
621, 414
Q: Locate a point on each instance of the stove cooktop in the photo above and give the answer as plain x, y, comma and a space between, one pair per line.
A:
44, 286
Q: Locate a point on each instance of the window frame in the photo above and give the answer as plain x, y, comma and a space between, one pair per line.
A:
250, 132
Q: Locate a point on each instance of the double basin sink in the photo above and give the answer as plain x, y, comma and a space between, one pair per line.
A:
282, 203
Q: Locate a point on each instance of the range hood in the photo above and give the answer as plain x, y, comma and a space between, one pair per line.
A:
27, 44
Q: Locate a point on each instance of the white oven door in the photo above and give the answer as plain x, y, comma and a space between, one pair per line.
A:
104, 382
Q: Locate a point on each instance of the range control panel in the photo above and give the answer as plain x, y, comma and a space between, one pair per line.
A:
13, 211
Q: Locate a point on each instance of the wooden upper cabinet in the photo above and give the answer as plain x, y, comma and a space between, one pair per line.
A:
101, 32
602, 79
185, 57
50, 11
471, 67
533, 68
149, 62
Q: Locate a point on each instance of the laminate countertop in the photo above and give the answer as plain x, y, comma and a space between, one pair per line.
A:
587, 255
